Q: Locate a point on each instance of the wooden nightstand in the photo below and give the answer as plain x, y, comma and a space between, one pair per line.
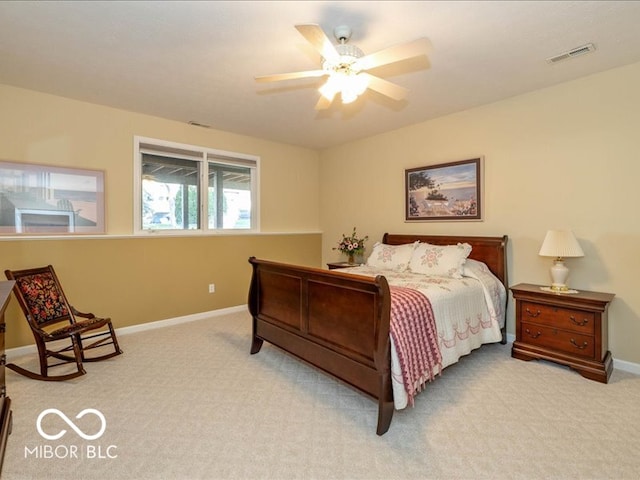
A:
335, 265
567, 328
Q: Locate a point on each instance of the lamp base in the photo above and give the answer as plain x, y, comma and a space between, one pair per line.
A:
559, 274
559, 292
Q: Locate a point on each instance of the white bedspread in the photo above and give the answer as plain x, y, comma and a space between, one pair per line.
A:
469, 312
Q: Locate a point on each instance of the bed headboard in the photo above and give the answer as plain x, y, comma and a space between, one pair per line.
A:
490, 250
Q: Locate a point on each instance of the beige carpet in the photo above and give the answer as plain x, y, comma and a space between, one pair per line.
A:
189, 402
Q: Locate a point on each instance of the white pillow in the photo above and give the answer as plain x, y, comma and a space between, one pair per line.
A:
391, 257
475, 269
443, 260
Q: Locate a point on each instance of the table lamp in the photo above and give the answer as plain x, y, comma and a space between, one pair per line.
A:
560, 244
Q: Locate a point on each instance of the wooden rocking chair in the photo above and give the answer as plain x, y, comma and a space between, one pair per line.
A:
53, 319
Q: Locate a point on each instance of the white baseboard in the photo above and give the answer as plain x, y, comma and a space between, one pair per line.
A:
626, 366
31, 349
617, 364
178, 320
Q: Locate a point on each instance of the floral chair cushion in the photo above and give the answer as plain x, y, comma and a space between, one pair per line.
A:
43, 297
79, 327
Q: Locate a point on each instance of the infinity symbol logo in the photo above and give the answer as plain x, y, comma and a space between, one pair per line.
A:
71, 424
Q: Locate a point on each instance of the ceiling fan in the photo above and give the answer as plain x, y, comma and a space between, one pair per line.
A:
346, 66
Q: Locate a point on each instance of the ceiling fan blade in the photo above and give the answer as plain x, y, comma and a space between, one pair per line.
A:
323, 103
328, 92
394, 54
316, 37
385, 87
290, 76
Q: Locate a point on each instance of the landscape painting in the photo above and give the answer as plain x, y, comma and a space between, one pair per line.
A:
447, 191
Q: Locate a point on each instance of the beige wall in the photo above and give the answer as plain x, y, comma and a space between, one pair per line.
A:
562, 157
138, 280
51, 130
578, 138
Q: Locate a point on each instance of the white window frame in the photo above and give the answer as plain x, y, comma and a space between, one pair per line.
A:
205, 155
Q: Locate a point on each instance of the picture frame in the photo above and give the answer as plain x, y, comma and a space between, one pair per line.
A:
446, 191
42, 199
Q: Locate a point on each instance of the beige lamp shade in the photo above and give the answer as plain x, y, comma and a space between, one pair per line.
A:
560, 244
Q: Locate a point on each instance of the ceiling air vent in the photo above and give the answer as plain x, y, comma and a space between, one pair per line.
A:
197, 124
589, 47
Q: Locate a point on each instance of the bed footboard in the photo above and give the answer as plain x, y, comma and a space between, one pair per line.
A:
336, 322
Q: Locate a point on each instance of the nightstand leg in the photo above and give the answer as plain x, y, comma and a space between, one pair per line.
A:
598, 371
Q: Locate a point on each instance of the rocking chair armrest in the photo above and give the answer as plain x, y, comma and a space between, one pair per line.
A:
89, 318
78, 313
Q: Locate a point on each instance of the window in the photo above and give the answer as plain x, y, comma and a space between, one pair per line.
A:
186, 188
41, 199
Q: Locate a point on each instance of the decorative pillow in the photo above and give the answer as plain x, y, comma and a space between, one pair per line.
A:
475, 269
443, 260
391, 257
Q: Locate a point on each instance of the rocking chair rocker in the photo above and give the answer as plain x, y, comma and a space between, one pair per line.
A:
54, 321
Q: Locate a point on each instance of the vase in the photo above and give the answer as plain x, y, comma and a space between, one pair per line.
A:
351, 259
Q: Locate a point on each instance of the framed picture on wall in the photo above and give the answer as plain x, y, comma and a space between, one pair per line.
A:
42, 199
447, 191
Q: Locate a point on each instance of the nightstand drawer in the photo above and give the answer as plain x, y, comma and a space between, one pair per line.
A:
564, 318
570, 342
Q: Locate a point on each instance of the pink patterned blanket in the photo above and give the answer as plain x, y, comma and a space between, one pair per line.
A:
414, 334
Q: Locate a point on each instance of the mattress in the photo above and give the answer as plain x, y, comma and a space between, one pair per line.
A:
469, 312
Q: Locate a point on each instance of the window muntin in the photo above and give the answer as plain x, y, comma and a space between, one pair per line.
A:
185, 188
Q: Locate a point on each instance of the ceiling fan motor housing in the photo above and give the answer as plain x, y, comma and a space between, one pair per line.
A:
344, 64
342, 33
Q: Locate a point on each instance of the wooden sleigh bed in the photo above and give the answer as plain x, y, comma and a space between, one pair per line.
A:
340, 322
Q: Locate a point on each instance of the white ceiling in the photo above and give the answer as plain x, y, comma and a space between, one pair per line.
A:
197, 60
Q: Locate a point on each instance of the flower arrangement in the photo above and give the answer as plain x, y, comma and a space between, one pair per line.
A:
351, 245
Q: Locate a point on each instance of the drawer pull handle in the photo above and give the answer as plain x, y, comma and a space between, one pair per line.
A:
533, 335
581, 347
531, 314
576, 322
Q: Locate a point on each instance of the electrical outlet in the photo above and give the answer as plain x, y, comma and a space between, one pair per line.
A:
212, 288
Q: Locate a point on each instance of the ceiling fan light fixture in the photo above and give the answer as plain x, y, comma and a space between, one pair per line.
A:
346, 62
348, 96
330, 88
350, 86
353, 86
349, 51
343, 73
